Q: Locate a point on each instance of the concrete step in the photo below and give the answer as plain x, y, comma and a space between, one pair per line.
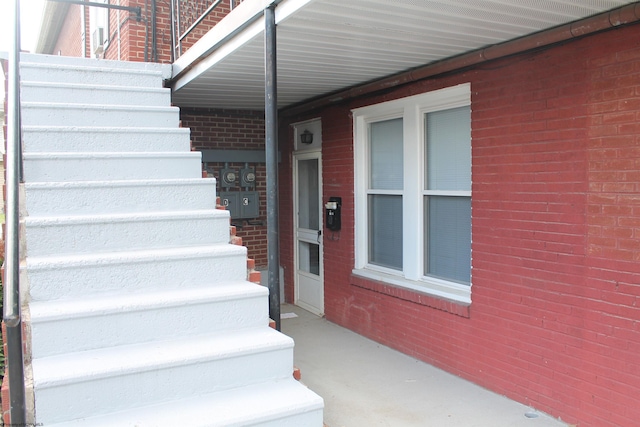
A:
282, 403
56, 114
69, 61
80, 324
104, 139
67, 235
114, 197
94, 94
58, 167
88, 74
94, 382
80, 276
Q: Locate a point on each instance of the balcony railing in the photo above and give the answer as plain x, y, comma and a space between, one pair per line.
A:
186, 15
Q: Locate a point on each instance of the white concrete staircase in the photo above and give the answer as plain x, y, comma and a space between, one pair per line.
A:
138, 308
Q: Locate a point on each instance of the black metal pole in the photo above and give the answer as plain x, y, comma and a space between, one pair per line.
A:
271, 151
154, 30
136, 10
172, 17
11, 315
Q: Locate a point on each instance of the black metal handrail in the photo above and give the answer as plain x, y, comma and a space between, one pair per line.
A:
133, 9
186, 15
11, 316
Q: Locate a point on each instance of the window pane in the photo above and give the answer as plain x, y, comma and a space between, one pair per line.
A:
308, 195
449, 149
385, 231
386, 155
448, 242
309, 258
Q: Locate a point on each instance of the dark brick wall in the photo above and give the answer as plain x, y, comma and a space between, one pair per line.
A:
234, 130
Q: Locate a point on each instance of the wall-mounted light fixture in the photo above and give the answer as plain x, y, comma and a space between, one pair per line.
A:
306, 137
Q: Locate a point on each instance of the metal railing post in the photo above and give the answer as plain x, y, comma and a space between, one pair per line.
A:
271, 152
11, 315
172, 18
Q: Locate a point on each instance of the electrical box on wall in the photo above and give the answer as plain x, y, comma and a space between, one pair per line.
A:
241, 204
249, 204
231, 201
248, 177
228, 178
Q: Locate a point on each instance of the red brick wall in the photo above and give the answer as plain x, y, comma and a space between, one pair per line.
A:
70, 40
164, 27
234, 130
555, 317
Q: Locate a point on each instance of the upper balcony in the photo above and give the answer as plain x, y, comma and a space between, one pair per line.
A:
329, 50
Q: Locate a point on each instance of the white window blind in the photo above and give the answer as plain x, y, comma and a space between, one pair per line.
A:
385, 210
448, 217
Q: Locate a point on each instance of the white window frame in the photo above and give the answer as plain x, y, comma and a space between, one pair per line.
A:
412, 109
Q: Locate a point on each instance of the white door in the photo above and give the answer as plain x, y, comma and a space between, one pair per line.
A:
309, 281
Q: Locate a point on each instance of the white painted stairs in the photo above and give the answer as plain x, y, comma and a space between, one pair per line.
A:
138, 308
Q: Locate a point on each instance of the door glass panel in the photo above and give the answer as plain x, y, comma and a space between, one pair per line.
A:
308, 195
309, 257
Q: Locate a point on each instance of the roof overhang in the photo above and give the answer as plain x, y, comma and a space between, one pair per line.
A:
326, 46
53, 18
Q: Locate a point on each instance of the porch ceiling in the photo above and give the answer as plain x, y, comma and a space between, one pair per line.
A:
327, 45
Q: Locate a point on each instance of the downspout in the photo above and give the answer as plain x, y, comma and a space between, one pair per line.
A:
83, 24
271, 152
604, 21
154, 39
118, 31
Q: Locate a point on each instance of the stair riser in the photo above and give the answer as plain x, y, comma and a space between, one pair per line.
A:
307, 418
225, 264
71, 62
60, 238
112, 394
59, 169
93, 75
82, 115
54, 140
72, 199
122, 328
96, 95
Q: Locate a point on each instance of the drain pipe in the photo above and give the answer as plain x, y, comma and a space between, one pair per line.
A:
628, 14
271, 151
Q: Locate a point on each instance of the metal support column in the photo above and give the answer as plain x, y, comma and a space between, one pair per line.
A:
271, 149
11, 315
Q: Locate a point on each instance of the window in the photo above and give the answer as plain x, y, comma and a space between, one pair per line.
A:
99, 28
413, 192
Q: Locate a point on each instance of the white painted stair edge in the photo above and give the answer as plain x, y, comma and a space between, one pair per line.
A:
281, 403
98, 381
190, 311
103, 139
139, 309
75, 276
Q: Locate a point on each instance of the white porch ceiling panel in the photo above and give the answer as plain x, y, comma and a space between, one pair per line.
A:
327, 45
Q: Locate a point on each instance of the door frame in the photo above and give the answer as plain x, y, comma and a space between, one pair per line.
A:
300, 154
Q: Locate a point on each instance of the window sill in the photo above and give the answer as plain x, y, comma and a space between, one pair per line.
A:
417, 292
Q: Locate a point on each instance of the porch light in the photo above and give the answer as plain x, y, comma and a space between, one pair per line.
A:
306, 137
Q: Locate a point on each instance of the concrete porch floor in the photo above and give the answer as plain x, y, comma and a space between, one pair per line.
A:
364, 383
